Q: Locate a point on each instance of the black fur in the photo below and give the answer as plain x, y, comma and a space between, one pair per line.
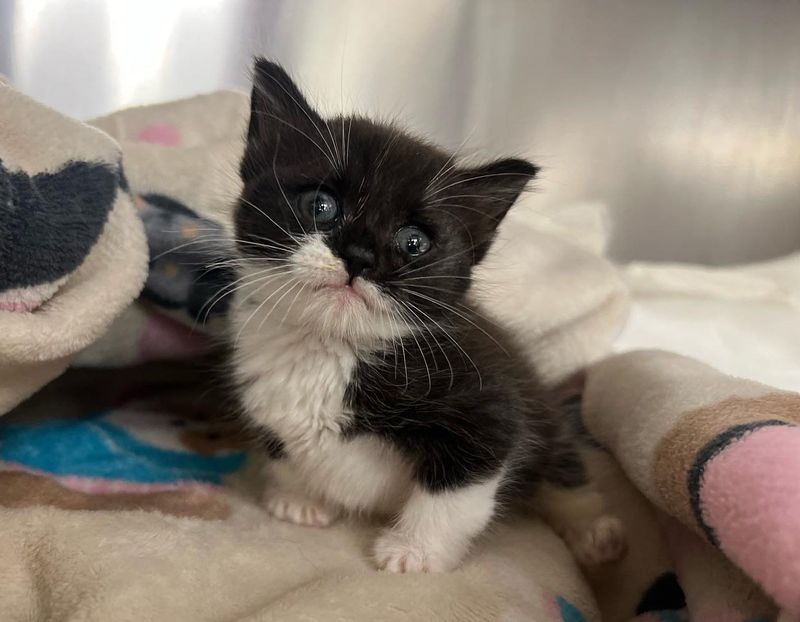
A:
458, 398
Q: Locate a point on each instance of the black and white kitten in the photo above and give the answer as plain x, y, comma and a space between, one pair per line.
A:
380, 387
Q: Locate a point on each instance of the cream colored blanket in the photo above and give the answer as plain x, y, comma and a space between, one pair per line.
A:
103, 548
126, 493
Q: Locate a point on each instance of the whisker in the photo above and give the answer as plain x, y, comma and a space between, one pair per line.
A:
442, 277
431, 287
294, 300
268, 217
475, 178
277, 302
482, 197
260, 306
466, 308
412, 310
231, 288
457, 345
403, 270
424, 360
449, 164
459, 314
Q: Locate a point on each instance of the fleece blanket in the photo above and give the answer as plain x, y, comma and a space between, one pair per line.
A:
127, 493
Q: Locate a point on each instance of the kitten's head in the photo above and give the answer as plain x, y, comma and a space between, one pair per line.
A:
354, 228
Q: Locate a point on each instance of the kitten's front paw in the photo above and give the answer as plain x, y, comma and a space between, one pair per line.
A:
604, 541
298, 510
396, 552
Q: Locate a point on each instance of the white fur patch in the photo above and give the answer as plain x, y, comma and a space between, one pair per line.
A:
434, 530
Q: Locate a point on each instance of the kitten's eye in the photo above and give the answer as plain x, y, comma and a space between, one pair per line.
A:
412, 241
321, 207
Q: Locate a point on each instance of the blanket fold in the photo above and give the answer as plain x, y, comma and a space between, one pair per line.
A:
720, 455
72, 250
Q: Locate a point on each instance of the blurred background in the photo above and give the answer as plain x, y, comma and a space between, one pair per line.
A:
681, 116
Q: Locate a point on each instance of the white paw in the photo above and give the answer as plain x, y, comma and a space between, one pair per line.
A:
298, 510
396, 552
603, 542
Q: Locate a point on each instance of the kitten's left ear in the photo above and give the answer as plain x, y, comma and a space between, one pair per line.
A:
279, 116
276, 102
488, 192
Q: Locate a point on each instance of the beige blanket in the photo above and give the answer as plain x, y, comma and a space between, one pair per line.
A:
670, 440
78, 548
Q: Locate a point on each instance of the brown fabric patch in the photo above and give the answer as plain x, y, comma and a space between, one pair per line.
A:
677, 451
19, 490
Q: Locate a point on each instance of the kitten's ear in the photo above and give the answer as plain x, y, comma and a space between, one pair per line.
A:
488, 192
280, 117
276, 102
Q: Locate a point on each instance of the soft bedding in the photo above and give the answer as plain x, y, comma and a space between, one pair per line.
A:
127, 493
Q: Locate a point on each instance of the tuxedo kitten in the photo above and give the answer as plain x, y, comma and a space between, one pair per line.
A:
379, 387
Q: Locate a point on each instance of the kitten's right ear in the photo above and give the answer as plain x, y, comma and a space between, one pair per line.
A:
276, 104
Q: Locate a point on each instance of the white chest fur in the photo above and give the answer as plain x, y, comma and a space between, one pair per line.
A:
294, 385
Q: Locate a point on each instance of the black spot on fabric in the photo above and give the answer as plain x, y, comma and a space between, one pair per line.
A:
711, 449
50, 222
664, 594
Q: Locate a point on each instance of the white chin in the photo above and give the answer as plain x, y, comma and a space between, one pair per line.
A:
341, 314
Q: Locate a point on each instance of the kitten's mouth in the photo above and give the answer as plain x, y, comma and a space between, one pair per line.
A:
347, 291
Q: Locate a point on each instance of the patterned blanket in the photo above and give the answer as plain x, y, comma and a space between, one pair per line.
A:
126, 485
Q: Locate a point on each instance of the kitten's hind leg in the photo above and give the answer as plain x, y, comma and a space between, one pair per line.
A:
285, 499
579, 515
570, 501
435, 529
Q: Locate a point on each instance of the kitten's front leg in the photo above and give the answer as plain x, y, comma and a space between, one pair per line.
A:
285, 498
435, 528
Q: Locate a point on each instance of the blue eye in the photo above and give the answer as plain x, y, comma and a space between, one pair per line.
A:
412, 241
321, 207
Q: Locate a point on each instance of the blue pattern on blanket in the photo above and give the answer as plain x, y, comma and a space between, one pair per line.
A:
569, 612
101, 448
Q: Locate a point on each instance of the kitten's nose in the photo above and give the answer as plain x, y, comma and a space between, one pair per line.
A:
358, 259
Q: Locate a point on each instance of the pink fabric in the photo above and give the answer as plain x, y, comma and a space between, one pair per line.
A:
27, 299
165, 338
19, 306
751, 498
160, 134
97, 486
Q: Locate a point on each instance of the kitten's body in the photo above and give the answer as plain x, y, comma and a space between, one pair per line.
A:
380, 388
